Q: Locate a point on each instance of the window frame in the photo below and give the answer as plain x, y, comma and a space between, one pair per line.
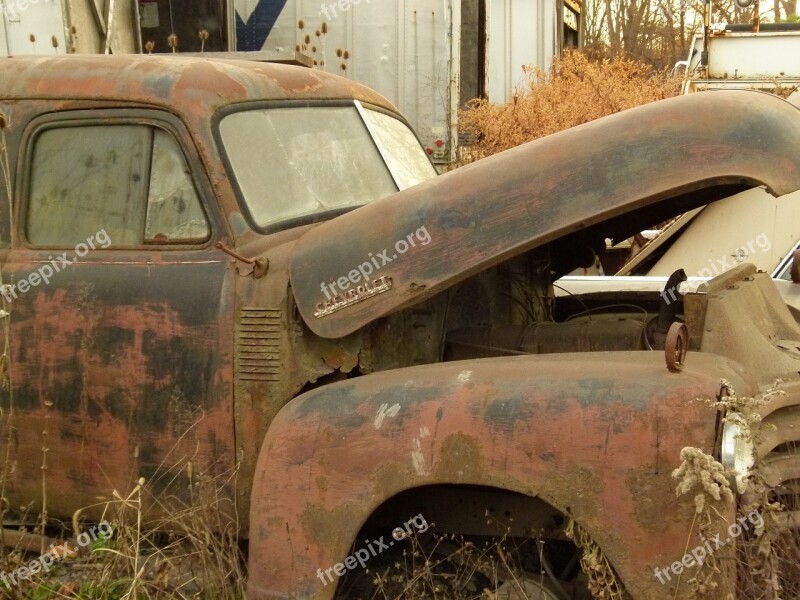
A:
153, 118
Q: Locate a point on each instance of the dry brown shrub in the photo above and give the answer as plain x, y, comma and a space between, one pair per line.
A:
574, 91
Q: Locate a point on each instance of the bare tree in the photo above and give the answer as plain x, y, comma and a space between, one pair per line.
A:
654, 31
594, 22
729, 12
789, 9
658, 32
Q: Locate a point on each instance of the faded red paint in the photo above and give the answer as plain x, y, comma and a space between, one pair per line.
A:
585, 183
598, 443
55, 329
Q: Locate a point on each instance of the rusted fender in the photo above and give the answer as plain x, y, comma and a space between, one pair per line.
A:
486, 212
596, 438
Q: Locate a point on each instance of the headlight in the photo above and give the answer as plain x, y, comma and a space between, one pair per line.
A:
737, 450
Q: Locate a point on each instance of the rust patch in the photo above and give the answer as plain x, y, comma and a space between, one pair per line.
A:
324, 527
461, 458
577, 453
649, 492
194, 85
389, 478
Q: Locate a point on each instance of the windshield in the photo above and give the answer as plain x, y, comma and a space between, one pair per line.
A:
407, 161
298, 162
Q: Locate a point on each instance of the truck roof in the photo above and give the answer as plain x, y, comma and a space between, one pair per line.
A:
202, 84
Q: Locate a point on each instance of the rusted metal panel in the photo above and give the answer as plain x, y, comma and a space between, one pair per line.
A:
136, 347
126, 355
152, 341
134, 359
620, 167
188, 85
754, 341
258, 344
277, 339
599, 443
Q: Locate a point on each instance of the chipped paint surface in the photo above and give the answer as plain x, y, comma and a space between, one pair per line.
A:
176, 83
581, 185
137, 376
143, 353
418, 457
386, 411
595, 443
421, 466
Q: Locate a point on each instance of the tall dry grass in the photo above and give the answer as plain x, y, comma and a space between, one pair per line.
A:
192, 553
574, 91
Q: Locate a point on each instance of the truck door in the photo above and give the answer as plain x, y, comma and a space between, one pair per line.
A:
119, 305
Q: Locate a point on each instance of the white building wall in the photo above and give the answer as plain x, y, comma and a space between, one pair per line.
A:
521, 32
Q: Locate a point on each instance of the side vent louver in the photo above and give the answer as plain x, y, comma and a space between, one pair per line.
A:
258, 344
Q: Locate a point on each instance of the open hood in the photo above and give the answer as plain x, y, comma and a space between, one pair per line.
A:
608, 178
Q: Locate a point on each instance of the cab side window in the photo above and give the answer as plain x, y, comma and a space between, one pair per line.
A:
131, 180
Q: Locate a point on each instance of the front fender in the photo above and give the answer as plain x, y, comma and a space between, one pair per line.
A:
596, 436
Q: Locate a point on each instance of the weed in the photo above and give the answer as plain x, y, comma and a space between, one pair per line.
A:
603, 583
574, 91
767, 565
190, 551
458, 567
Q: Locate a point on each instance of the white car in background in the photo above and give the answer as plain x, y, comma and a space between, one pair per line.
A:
751, 226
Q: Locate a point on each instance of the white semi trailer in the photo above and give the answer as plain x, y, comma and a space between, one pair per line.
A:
69, 26
736, 57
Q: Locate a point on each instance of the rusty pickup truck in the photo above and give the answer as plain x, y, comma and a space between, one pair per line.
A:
256, 266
